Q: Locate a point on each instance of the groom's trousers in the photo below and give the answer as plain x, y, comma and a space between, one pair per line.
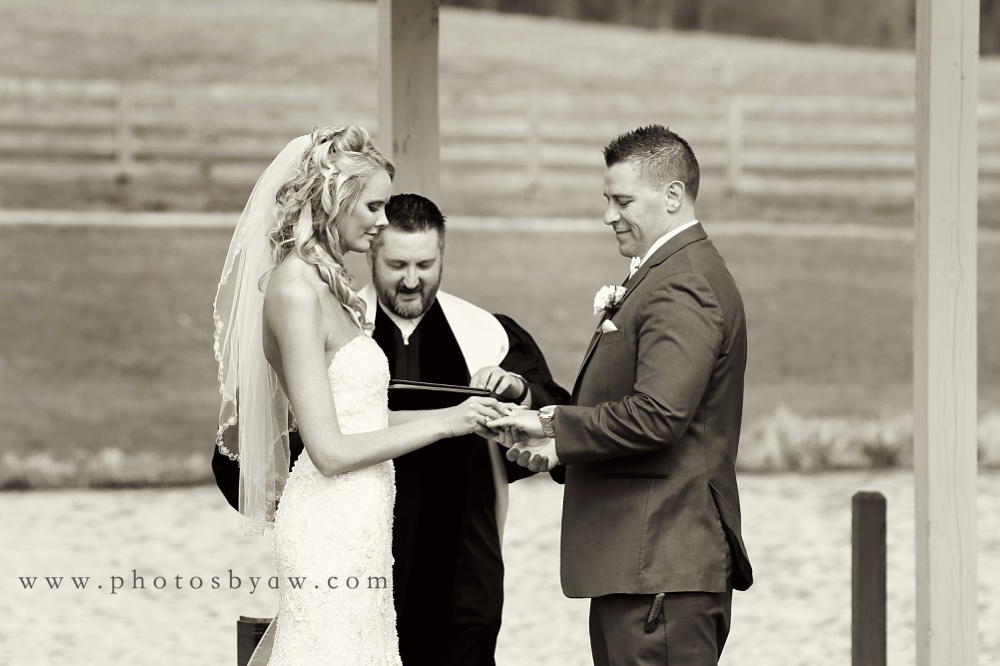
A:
690, 628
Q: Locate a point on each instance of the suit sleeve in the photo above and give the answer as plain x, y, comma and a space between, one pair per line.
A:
679, 335
526, 359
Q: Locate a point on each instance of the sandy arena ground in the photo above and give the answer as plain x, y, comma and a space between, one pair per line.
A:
798, 529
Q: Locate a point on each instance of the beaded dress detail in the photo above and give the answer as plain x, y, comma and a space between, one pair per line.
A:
337, 531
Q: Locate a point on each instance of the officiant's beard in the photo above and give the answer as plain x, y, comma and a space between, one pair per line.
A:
392, 297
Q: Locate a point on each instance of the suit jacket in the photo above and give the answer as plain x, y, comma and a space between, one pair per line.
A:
651, 502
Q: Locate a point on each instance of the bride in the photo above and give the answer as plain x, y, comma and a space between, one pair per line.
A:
294, 348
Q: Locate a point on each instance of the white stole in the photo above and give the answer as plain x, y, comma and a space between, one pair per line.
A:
483, 341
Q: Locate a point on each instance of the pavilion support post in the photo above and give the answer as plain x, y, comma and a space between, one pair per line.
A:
944, 378
408, 116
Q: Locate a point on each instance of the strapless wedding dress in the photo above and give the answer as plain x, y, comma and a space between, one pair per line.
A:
335, 535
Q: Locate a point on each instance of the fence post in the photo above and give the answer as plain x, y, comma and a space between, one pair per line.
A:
735, 166
868, 585
534, 145
123, 134
201, 127
248, 634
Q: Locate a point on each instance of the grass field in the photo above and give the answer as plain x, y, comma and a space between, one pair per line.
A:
106, 369
334, 42
106, 352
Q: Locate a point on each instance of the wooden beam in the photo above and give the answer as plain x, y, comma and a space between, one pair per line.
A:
944, 346
409, 122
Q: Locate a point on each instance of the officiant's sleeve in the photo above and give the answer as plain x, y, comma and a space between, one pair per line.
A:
679, 334
227, 477
526, 359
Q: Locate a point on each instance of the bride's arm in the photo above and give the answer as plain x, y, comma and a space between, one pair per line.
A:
292, 317
403, 416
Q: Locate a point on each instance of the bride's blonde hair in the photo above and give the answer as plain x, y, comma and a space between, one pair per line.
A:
321, 194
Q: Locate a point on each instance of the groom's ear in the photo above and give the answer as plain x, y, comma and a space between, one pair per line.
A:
675, 195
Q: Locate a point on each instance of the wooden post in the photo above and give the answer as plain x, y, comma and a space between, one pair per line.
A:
944, 343
735, 166
868, 584
123, 134
533, 145
249, 631
409, 121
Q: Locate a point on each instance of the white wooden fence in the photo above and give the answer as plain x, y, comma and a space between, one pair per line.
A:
516, 143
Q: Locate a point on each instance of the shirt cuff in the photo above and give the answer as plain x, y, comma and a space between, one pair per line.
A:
525, 398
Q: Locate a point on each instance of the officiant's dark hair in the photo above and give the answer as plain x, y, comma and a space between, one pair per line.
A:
411, 213
659, 155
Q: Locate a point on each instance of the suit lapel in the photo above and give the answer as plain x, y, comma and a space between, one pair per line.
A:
675, 244
586, 357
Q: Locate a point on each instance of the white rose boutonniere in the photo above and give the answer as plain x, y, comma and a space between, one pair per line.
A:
608, 298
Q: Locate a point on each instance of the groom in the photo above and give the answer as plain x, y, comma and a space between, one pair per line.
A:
651, 513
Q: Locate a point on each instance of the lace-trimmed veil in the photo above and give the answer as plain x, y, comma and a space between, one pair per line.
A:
251, 393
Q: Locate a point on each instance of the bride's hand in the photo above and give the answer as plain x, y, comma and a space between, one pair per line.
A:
471, 416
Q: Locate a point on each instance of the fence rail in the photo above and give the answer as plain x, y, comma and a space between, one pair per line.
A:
762, 144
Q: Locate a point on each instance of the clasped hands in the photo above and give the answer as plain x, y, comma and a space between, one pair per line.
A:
521, 432
517, 428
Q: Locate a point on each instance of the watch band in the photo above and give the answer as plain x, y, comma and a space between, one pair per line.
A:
545, 416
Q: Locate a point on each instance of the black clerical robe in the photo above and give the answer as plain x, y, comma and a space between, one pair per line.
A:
448, 571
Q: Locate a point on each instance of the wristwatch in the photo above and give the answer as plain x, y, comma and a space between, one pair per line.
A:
545, 416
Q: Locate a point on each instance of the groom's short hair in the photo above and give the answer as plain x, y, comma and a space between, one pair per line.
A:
411, 213
659, 155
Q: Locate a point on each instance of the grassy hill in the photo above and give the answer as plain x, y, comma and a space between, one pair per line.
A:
334, 42
320, 41
324, 43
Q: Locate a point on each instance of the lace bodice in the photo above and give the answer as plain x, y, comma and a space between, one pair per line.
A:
359, 379
337, 531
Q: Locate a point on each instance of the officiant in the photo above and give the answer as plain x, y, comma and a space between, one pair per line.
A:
451, 496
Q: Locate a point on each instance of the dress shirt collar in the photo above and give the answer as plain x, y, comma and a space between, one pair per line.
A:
636, 262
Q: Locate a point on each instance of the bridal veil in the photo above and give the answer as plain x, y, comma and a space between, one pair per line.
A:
251, 394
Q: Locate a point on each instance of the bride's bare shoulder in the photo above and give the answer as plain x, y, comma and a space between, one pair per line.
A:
297, 296
290, 293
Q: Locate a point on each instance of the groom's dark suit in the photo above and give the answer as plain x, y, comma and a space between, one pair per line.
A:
651, 503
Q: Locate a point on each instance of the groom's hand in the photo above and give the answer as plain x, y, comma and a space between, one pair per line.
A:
538, 455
